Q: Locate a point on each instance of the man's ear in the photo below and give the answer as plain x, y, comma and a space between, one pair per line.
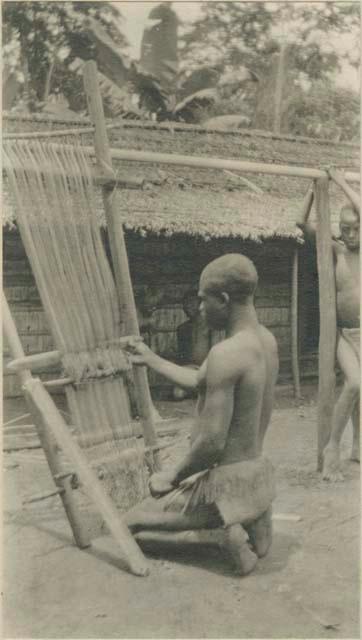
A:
226, 298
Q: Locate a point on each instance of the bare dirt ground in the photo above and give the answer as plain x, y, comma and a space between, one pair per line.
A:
307, 586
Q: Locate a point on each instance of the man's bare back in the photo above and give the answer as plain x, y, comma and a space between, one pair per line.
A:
253, 393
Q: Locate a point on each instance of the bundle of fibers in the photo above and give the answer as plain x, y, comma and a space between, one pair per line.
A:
54, 196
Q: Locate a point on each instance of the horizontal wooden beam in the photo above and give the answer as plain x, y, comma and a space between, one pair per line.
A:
223, 164
58, 382
33, 362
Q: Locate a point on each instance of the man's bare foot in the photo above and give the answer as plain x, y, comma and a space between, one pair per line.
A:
155, 415
331, 465
355, 454
260, 534
236, 547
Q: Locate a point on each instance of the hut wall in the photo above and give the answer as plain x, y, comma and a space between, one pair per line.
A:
162, 270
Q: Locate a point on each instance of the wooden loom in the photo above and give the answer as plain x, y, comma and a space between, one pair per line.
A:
104, 176
88, 310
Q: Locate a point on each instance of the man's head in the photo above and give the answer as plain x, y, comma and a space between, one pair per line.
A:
227, 281
349, 226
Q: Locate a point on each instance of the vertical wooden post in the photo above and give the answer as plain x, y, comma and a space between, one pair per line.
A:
119, 253
328, 318
48, 443
279, 85
294, 326
302, 219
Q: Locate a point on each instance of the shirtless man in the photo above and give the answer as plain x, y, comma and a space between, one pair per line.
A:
347, 273
223, 481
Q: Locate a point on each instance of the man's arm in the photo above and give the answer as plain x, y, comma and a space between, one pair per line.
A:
338, 178
141, 354
222, 373
302, 219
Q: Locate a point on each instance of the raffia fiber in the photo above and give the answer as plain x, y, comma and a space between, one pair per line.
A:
56, 214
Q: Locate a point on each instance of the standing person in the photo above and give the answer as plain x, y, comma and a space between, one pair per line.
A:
223, 481
347, 275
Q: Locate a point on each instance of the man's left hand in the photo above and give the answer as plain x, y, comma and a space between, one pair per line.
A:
161, 483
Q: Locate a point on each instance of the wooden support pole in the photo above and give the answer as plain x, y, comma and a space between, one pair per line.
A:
43, 405
119, 253
50, 448
303, 217
294, 326
328, 318
279, 86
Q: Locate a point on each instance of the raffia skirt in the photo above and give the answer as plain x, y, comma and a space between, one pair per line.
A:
241, 491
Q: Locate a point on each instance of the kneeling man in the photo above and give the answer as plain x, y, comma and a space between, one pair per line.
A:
223, 483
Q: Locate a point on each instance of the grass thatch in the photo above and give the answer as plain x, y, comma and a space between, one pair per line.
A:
209, 203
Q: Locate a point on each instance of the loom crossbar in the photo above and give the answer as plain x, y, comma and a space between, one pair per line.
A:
130, 155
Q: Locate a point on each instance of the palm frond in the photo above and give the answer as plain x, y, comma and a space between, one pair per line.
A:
187, 109
110, 61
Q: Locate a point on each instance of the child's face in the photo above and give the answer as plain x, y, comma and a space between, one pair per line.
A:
350, 229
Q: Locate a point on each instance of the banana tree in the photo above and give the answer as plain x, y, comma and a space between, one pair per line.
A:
162, 91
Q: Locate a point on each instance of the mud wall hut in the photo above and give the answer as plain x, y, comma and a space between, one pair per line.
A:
177, 219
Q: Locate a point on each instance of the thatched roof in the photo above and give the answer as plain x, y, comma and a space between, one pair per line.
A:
210, 203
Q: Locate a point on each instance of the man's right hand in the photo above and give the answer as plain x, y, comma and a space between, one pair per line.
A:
336, 175
139, 353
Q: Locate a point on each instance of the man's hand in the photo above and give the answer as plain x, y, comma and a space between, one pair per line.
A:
336, 175
161, 483
138, 352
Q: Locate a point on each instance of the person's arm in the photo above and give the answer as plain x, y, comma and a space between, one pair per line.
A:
222, 373
141, 354
338, 178
302, 219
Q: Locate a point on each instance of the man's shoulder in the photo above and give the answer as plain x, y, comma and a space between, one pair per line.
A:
237, 350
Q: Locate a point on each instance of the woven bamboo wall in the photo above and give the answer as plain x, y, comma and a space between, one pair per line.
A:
162, 271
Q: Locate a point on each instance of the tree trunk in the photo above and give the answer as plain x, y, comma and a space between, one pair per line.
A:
48, 81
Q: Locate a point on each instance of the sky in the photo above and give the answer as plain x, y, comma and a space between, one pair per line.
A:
135, 16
